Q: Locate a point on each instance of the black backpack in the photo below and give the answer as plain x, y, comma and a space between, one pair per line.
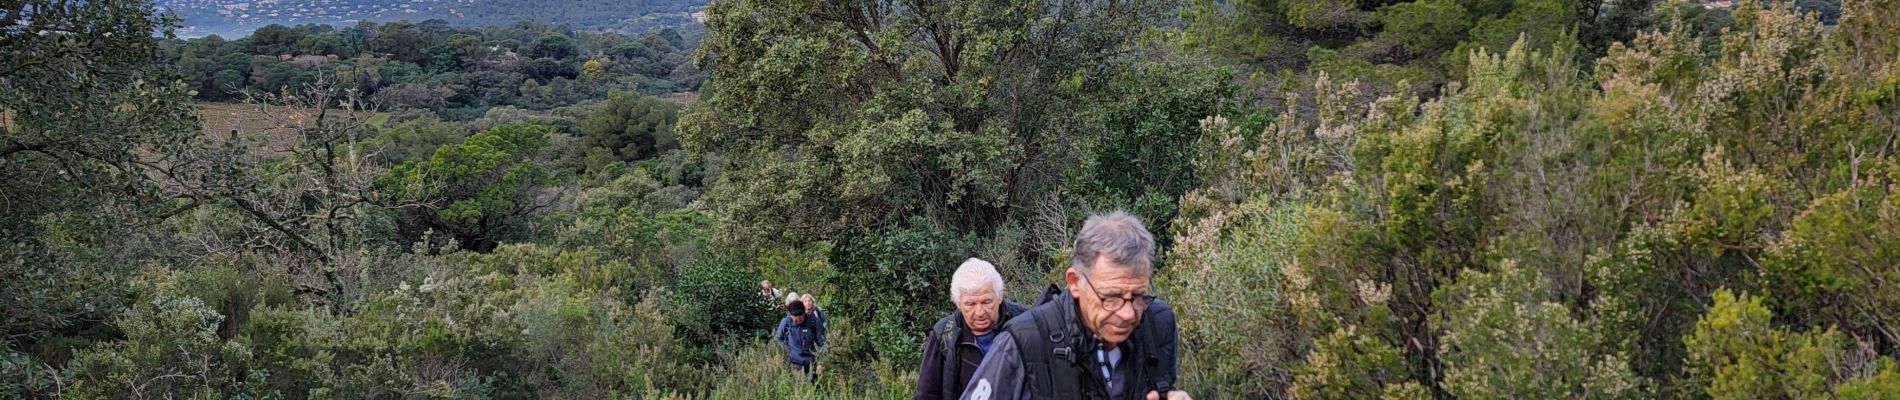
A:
1051, 357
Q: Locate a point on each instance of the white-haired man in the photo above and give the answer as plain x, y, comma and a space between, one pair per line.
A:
956, 344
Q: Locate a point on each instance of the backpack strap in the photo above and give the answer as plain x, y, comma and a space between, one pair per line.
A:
952, 367
1159, 347
1049, 348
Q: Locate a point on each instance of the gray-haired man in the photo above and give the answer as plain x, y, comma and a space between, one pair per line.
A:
1105, 336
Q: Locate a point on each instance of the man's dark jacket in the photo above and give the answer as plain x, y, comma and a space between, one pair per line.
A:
951, 354
1048, 354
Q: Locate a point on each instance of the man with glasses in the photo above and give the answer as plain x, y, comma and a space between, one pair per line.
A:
1105, 336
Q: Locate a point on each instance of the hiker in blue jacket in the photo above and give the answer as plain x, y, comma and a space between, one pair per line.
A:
799, 336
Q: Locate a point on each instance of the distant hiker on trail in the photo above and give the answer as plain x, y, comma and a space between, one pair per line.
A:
770, 293
1105, 336
799, 336
812, 312
955, 345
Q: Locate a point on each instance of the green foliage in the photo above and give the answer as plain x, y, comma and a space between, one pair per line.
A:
630, 127
1824, 268
1224, 280
1528, 234
836, 125
456, 72
75, 106
1393, 199
1347, 365
1425, 27
88, 124
1541, 23
172, 347
718, 303
274, 39
762, 373
1720, 214
551, 45
642, 217
414, 139
1505, 338
1736, 353
1438, 208
481, 190
1145, 162
1732, 211
896, 282
522, 321
1288, 44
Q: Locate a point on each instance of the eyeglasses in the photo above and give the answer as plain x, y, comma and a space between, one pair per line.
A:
1115, 303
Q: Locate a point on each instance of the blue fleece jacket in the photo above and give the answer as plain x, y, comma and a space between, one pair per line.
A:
800, 341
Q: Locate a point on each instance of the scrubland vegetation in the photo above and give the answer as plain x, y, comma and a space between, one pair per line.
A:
1355, 199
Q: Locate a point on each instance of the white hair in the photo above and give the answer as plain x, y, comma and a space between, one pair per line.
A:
973, 275
791, 297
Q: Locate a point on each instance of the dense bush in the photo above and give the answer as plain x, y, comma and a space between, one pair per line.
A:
1533, 233
414, 139
1225, 282
630, 127
481, 191
895, 282
717, 302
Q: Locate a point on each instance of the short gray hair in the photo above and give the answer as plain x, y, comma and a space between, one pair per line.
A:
1116, 235
973, 275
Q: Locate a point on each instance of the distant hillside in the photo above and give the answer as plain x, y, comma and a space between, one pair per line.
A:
240, 17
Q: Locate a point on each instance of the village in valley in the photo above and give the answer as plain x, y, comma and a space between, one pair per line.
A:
238, 17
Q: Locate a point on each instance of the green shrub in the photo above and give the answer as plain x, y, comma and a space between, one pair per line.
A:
171, 348
414, 139
896, 282
1224, 281
481, 191
760, 371
717, 303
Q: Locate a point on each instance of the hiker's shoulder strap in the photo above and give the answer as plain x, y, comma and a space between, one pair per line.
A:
950, 366
1048, 350
1160, 344
945, 332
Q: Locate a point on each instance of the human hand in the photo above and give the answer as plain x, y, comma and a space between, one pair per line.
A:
1172, 395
